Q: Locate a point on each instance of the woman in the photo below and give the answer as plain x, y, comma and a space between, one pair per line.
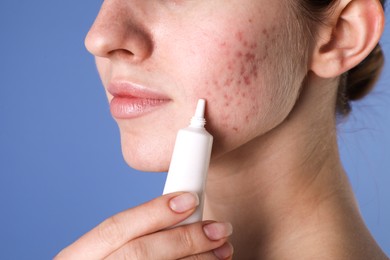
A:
276, 75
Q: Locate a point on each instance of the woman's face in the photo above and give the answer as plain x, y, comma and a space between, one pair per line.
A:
157, 58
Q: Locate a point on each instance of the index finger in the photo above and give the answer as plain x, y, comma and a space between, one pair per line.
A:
117, 230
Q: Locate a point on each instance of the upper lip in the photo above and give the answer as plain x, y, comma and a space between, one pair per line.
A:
128, 89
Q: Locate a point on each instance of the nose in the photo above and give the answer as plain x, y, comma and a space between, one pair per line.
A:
117, 32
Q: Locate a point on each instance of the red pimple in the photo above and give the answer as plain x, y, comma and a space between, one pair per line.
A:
253, 46
250, 57
225, 118
247, 80
254, 70
228, 81
239, 36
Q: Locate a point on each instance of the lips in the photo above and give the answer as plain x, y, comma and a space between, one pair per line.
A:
131, 100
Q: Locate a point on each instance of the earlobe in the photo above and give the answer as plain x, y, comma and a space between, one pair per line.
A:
358, 26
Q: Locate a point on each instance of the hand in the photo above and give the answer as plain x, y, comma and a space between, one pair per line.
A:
145, 232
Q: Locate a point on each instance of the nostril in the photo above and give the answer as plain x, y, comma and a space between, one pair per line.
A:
123, 54
119, 36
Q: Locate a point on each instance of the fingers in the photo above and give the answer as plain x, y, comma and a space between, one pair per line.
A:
155, 215
196, 240
225, 252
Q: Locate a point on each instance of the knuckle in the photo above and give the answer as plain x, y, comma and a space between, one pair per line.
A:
136, 250
186, 240
205, 256
110, 231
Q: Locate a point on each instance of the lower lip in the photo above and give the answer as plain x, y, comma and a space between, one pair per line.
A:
132, 107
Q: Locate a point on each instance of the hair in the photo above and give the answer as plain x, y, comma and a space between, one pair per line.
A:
360, 80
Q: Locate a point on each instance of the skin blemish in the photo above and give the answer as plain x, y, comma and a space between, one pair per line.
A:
228, 82
227, 98
216, 84
239, 36
247, 80
250, 57
265, 32
255, 74
237, 82
225, 118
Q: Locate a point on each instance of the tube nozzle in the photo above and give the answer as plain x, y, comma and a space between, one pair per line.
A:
198, 119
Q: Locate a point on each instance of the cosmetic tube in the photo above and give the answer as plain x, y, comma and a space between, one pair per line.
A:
190, 161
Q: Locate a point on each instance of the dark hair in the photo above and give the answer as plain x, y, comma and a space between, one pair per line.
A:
357, 82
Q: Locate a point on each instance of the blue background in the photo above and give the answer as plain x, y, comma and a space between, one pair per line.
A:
61, 168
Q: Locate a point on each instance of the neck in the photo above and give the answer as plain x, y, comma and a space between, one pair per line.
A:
285, 191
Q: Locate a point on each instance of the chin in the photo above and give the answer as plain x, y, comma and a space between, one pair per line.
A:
146, 155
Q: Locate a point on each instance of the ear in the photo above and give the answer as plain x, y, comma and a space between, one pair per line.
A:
356, 27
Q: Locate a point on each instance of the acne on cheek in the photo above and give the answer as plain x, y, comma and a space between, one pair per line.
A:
235, 84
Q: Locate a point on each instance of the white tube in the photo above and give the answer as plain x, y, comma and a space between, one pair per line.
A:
190, 161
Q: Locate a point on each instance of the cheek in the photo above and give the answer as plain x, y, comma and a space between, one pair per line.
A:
238, 89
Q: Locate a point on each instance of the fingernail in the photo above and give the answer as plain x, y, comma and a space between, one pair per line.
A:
224, 252
184, 202
217, 231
